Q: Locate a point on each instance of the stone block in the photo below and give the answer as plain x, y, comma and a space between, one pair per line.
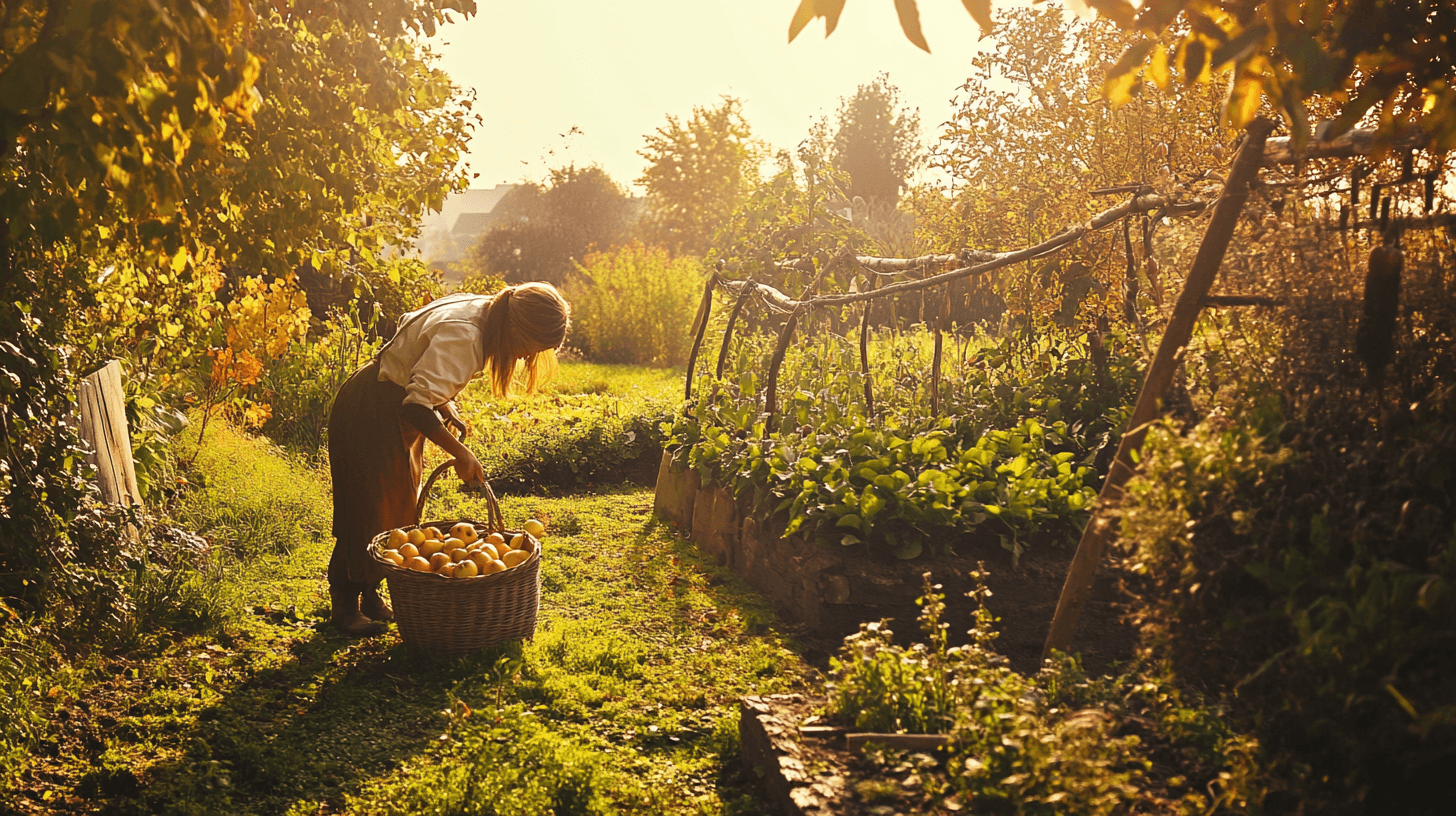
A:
676, 494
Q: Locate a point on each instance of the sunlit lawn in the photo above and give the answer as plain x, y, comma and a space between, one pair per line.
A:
625, 699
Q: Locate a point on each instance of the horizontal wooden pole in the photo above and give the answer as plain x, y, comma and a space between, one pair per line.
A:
1357, 142
901, 742
997, 260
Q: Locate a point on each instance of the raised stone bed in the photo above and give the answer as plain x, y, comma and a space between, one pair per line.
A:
830, 592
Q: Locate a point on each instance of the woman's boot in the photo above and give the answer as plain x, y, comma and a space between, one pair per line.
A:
374, 607
346, 616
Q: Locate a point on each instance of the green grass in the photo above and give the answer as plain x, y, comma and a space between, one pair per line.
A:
623, 702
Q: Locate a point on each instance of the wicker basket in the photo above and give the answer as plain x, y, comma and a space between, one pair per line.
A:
455, 616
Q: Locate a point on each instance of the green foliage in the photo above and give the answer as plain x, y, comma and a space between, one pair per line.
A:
1014, 452
1298, 564
481, 283
54, 535
1391, 60
594, 425
631, 305
301, 385
547, 229
1051, 743
697, 173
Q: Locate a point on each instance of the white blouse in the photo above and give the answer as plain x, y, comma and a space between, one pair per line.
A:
437, 349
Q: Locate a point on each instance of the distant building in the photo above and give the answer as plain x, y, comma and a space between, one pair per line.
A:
447, 236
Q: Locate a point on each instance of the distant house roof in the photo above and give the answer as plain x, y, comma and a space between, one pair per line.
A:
471, 224
446, 235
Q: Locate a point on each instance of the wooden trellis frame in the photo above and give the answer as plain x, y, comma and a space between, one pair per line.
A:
1256, 151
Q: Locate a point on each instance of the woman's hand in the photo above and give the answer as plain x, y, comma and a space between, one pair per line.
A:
453, 419
468, 468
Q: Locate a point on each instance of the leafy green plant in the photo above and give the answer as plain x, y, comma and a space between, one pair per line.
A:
1055, 742
1273, 559
1014, 454
592, 425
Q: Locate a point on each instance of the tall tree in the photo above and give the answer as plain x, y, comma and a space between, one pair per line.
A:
697, 173
153, 133
876, 142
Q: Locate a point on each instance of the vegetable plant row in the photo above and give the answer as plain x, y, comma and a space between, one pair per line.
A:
1026, 421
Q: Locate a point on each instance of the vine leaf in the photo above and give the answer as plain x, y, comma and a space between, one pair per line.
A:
980, 10
810, 9
910, 22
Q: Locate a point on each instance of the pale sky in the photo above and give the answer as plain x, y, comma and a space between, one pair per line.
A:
616, 70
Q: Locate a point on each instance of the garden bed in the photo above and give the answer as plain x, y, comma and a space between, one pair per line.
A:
830, 592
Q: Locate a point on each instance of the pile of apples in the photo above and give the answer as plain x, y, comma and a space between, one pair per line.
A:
462, 553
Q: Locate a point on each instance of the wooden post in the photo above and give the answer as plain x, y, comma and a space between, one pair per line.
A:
771, 388
728, 332
1160, 374
102, 403
700, 325
864, 355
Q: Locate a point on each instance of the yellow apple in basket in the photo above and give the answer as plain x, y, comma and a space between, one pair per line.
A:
465, 531
481, 562
517, 540
495, 566
396, 538
495, 538
415, 537
430, 547
534, 527
515, 558
528, 544
491, 551
434, 532
459, 554
418, 564
452, 544
466, 569
438, 560
408, 550
393, 557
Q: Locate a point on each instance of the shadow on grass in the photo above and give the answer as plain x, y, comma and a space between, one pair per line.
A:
337, 717
337, 713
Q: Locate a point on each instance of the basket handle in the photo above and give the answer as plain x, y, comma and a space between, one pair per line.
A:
495, 518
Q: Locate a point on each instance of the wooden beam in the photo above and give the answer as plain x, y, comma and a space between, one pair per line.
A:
918, 743
1100, 529
1357, 142
1144, 203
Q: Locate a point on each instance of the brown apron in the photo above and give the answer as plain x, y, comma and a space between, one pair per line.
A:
375, 457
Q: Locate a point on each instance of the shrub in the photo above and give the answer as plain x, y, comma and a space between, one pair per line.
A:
635, 304
1318, 577
1051, 743
300, 386
592, 425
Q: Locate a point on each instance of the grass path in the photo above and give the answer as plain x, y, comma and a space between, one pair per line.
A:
623, 702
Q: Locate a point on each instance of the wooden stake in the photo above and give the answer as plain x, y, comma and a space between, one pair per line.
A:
1100, 528
771, 388
700, 326
864, 355
728, 332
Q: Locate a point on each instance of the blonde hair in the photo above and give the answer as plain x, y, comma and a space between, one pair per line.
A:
524, 322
